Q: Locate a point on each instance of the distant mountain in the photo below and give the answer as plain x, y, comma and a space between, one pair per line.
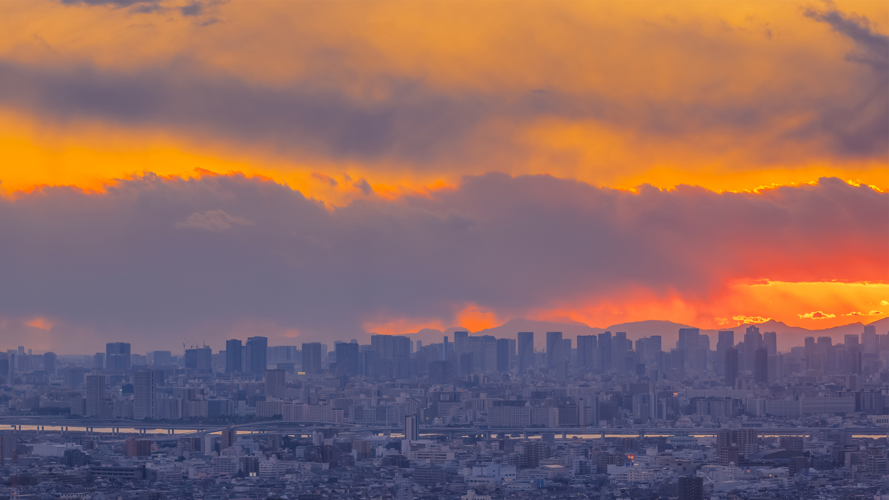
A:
788, 336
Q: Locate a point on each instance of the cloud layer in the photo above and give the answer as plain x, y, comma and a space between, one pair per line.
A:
199, 257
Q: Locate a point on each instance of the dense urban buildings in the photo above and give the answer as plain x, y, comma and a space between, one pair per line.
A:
605, 416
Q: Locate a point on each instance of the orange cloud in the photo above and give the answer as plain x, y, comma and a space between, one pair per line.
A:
817, 315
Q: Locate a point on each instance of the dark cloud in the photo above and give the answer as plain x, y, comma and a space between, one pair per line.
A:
172, 258
873, 47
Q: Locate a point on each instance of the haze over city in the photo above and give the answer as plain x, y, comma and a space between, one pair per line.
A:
442, 250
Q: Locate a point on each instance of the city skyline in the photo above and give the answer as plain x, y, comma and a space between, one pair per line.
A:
711, 164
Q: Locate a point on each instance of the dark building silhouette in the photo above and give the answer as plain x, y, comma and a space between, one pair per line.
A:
526, 351
761, 366
199, 359
691, 488
604, 351
731, 367
586, 349
503, 355
347, 362
117, 356
49, 363
311, 356
234, 357
275, 383
257, 350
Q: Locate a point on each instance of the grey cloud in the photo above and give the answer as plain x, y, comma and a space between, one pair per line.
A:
874, 47
117, 263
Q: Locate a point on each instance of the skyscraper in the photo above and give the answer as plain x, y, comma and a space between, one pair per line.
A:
761, 366
869, 339
49, 363
554, 354
200, 359
117, 356
725, 341
770, 342
586, 349
257, 350
95, 395
731, 367
144, 395
503, 355
752, 342
233, 356
619, 352
411, 427
526, 351
311, 357
346, 358
604, 351
691, 488
276, 383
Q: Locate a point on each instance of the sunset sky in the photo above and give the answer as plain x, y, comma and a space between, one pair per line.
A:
195, 171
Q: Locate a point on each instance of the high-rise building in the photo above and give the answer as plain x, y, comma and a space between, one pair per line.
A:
586, 350
731, 367
441, 372
411, 427
869, 339
503, 355
8, 443
49, 363
850, 340
257, 350
311, 356
761, 366
99, 361
604, 351
526, 351
228, 438
445, 347
347, 362
276, 383
95, 395
619, 351
144, 395
117, 356
752, 342
200, 359
233, 356
554, 354
691, 488
770, 342
162, 358
724, 342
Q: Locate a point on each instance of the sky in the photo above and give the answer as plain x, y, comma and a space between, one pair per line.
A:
191, 171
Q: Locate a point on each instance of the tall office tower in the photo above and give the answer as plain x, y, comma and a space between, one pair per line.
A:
257, 350
850, 340
654, 344
233, 356
566, 351
21, 350
411, 427
8, 442
346, 358
869, 339
489, 353
229, 436
770, 342
95, 395
367, 359
691, 488
604, 352
502, 355
200, 359
761, 366
553, 349
312, 358
526, 351
49, 363
725, 341
461, 342
99, 361
276, 383
731, 367
752, 342
444, 349
117, 356
12, 356
144, 395
619, 351
586, 348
